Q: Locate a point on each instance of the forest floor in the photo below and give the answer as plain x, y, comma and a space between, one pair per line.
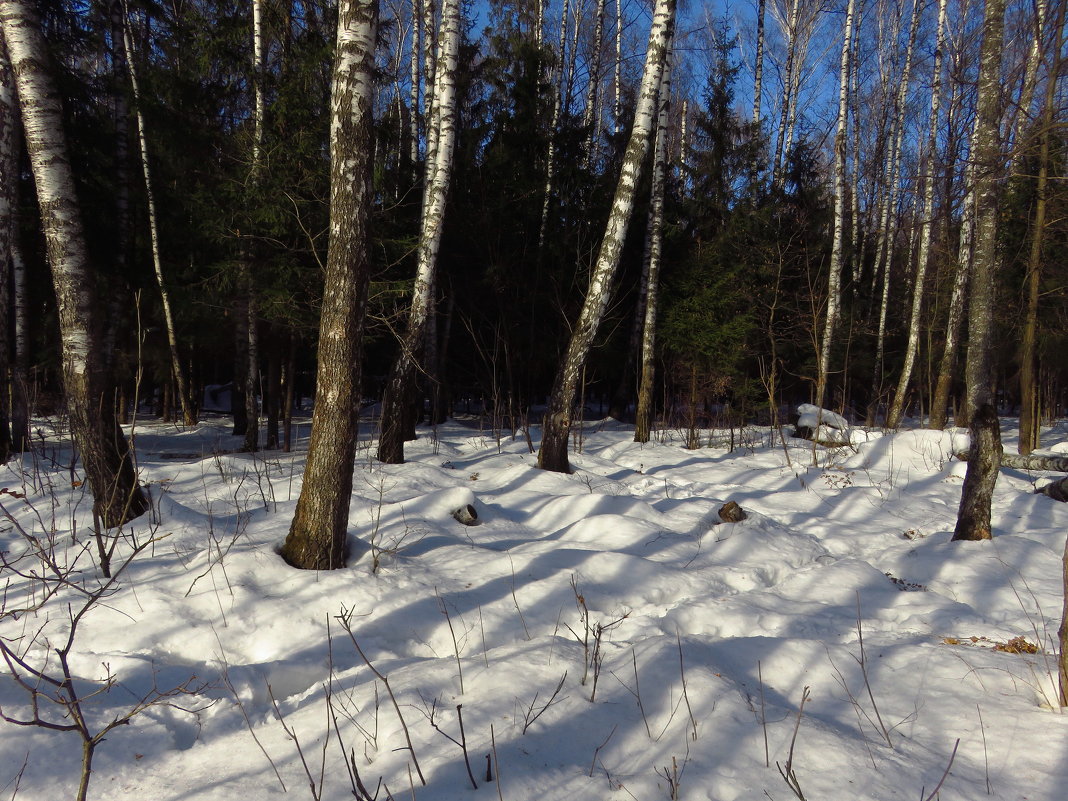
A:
602, 634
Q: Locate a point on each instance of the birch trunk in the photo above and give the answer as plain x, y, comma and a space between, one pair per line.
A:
973, 516
887, 224
644, 414
9, 180
758, 69
550, 156
617, 101
1028, 83
897, 407
834, 279
248, 322
557, 425
100, 441
940, 400
317, 536
589, 114
414, 72
1030, 416
400, 387
790, 34
189, 416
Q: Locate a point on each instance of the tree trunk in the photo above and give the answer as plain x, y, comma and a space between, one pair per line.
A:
644, 414
259, 108
189, 417
589, 115
885, 252
973, 517
758, 64
557, 425
317, 536
9, 178
897, 407
834, 279
1030, 419
400, 387
94, 426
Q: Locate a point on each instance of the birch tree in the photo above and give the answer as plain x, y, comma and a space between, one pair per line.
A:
923, 257
651, 273
834, 279
317, 536
1030, 416
400, 388
8, 232
556, 428
973, 516
887, 224
184, 395
100, 442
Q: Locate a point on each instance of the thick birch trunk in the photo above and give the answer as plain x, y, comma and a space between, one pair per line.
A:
1030, 417
973, 516
834, 278
644, 414
400, 387
897, 407
94, 426
317, 536
189, 416
557, 425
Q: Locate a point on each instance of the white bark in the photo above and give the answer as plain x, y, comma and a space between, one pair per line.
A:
593, 78
758, 71
318, 534
885, 250
553, 452
99, 439
189, 417
651, 273
414, 73
1028, 83
834, 279
617, 104
927, 212
439, 172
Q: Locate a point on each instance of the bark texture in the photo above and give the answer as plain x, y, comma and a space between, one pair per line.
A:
1030, 413
897, 406
8, 232
317, 536
185, 398
557, 424
973, 516
400, 388
94, 426
834, 278
644, 414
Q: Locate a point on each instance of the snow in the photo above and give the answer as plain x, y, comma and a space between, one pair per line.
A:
842, 577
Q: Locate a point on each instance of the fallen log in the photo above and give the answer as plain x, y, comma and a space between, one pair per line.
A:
1058, 464
1058, 490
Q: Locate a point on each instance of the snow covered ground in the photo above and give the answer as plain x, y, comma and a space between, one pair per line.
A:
697, 639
